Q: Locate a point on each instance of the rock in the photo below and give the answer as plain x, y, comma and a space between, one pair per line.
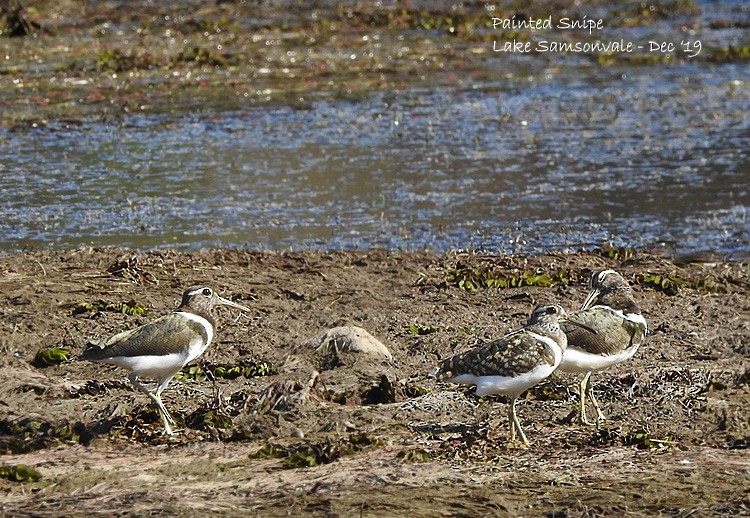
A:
350, 339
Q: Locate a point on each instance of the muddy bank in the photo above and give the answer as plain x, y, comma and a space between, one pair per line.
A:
285, 429
108, 60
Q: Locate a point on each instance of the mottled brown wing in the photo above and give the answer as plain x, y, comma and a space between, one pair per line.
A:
168, 334
510, 355
613, 332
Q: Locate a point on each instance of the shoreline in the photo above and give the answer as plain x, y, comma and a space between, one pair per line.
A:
700, 257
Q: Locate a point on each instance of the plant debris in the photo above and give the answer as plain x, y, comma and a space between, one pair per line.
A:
131, 308
50, 356
20, 473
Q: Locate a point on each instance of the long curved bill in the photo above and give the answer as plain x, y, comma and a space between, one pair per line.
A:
582, 326
231, 304
593, 294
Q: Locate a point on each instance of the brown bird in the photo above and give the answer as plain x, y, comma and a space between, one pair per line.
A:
513, 363
162, 347
614, 329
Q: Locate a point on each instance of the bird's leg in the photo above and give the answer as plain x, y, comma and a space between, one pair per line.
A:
582, 391
590, 393
165, 417
156, 398
162, 409
515, 425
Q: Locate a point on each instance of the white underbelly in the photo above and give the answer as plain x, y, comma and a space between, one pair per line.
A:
156, 367
509, 385
576, 360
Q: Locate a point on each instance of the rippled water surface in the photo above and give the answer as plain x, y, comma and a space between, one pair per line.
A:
573, 160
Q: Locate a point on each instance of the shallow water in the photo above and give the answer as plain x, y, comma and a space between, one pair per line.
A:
574, 157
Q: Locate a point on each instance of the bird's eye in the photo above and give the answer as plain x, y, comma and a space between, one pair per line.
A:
207, 292
552, 310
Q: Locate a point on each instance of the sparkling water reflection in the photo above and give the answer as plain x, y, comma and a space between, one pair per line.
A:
558, 164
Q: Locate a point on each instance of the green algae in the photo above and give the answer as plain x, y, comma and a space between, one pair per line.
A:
132, 308
31, 434
309, 454
471, 279
49, 356
20, 473
246, 369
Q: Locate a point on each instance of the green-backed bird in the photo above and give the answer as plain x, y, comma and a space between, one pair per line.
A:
614, 329
162, 347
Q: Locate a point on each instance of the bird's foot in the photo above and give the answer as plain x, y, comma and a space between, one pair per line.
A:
583, 420
169, 431
600, 417
516, 444
517, 437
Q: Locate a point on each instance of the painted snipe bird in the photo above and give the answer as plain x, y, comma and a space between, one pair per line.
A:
162, 347
514, 363
611, 311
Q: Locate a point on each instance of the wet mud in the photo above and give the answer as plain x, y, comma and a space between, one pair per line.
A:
287, 428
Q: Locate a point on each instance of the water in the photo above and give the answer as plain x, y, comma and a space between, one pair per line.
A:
575, 160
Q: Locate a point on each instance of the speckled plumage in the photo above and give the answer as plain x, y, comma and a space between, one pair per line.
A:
159, 349
513, 363
513, 354
610, 311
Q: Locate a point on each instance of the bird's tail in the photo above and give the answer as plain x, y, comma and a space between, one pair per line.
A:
444, 372
91, 351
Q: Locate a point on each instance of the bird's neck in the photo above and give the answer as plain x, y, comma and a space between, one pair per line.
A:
621, 301
203, 313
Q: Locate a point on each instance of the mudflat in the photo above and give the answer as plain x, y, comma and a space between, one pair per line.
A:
286, 428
